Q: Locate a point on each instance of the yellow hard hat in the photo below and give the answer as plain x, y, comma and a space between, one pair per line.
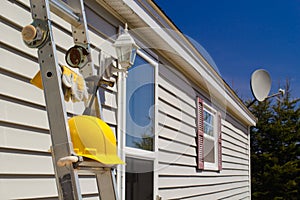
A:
94, 139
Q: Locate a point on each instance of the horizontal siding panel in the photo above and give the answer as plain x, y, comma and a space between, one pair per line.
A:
18, 64
39, 187
9, 10
175, 158
227, 151
237, 148
24, 18
176, 170
21, 90
176, 83
88, 185
109, 116
31, 187
230, 158
234, 144
24, 91
104, 45
178, 92
233, 193
240, 193
234, 137
19, 114
91, 198
174, 135
214, 191
110, 99
165, 120
25, 163
175, 182
99, 19
26, 3
235, 166
165, 169
12, 37
176, 147
239, 134
24, 139
176, 112
168, 97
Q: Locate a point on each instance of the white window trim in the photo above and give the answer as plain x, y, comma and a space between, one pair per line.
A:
208, 165
144, 154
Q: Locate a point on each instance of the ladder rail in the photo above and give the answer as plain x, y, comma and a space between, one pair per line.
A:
63, 10
66, 178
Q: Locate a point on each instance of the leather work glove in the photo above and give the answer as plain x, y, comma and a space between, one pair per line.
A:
74, 86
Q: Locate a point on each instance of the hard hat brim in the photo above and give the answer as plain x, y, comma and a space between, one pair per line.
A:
93, 138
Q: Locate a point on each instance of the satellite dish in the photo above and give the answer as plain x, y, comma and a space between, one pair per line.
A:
260, 84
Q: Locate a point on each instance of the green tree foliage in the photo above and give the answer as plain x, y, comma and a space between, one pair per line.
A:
275, 148
145, 143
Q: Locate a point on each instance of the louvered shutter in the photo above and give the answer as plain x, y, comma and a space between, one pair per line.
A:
200, 134
219, 142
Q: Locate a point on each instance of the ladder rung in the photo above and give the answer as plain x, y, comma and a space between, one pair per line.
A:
92, 165
64, 11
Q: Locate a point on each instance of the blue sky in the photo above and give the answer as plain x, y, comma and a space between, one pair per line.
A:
242, 36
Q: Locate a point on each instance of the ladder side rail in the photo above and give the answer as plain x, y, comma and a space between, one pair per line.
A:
63, 10
81, 38
66, 177
106, 184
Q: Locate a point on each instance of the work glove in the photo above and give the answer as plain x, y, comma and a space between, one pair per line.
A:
74, 86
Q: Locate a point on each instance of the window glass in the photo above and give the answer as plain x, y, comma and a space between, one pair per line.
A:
139, 179
208, 123
209, 137
140, 105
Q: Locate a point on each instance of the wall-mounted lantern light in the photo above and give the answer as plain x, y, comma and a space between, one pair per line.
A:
126, 49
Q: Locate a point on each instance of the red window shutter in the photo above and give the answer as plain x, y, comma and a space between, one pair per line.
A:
200, 134
219, 142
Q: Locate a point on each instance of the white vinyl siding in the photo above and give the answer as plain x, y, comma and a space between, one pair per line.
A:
26, 170
178, 174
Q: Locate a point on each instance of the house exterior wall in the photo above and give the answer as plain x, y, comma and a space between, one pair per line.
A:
26, 170
178, 174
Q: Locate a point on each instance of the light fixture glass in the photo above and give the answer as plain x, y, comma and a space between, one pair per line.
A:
126, 49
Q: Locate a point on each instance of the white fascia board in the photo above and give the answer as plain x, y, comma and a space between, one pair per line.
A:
211, 80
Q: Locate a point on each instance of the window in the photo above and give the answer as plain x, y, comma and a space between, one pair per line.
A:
139, 179
140, 176
209, 139
140, 105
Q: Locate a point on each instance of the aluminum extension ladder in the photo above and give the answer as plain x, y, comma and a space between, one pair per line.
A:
66, 172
